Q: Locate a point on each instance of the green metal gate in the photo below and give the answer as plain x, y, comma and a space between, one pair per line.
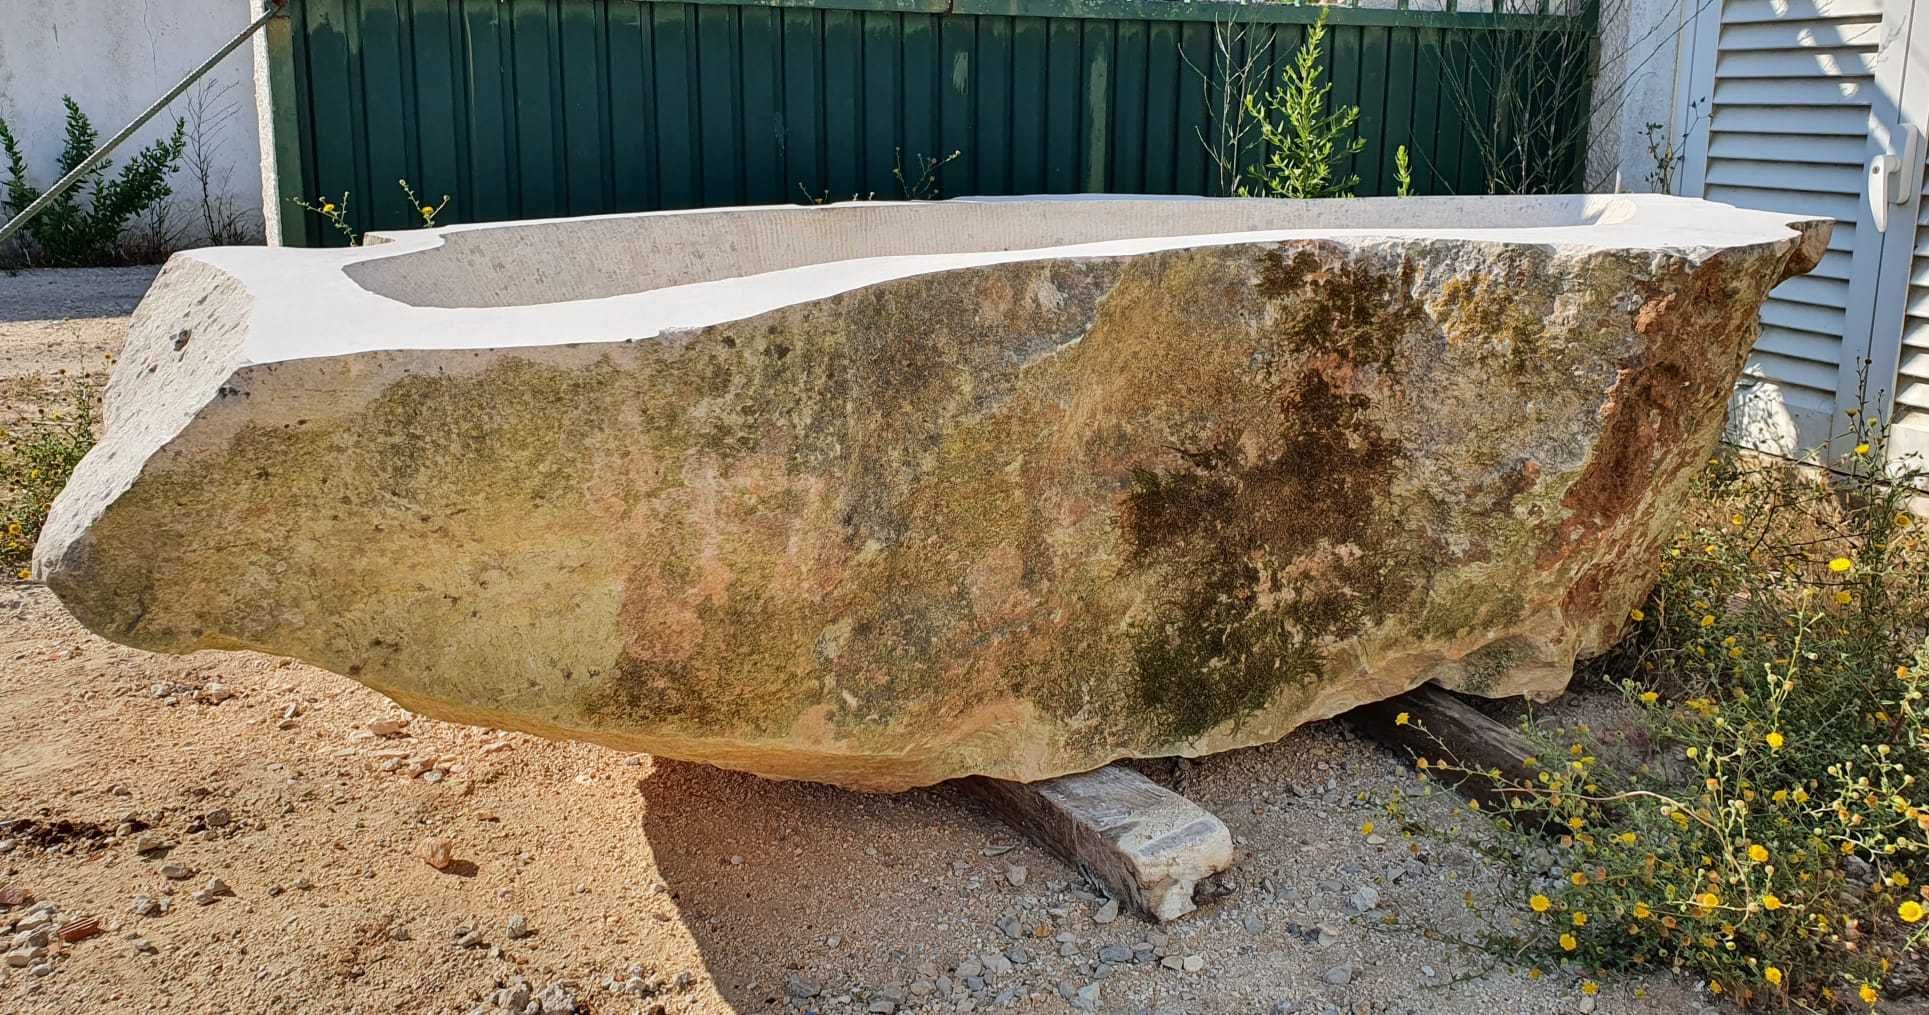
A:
538, 108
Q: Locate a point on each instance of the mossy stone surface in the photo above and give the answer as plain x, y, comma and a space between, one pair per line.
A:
1017, 519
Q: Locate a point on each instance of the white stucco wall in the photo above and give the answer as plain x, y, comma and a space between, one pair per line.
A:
1645, 44
117, 56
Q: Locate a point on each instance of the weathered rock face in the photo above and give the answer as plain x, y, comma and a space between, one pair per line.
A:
1149, 478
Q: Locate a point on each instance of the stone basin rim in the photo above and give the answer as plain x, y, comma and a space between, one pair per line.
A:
446, 503
469, 286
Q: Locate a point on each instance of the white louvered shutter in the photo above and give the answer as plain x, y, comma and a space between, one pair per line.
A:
1788, 88
1911, 411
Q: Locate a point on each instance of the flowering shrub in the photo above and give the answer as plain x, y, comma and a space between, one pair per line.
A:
36, 457
335, 213
1762, 823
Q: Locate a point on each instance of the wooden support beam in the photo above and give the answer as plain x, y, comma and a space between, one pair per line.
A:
1465, 735
1148, 845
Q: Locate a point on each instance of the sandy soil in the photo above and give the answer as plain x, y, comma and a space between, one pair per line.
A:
720, 892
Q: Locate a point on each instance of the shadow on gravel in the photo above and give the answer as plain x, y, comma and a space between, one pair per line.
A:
795, 882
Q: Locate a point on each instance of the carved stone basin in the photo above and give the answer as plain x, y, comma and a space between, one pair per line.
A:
881, 494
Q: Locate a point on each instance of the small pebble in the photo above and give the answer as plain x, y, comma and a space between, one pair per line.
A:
79, 930
435, 853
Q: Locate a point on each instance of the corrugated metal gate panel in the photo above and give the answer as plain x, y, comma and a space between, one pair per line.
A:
536, 108
1788, 131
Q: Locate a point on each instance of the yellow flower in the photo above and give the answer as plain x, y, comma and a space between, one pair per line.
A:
328, 207
1902, 673
1402, 719
1771, 903
1568, 943
1772, 975
1626, 838
1775, 739
1641, 911
1910, 911
1708, 620
1578, 877
1637, 616
1539, 903
1366, 829
1649, 697
1738, 520
1840, 564
25, 574
426, 210
1780, 797
1862, 448
1576, 823
1580, 919
1692, 753
1868, 995
1843, 597
1758, 853
1801, 795
1590, 988
1708, 900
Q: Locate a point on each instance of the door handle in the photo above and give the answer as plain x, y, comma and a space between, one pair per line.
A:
1885, 172
1892, 174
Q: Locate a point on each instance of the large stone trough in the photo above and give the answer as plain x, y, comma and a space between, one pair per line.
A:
882, 494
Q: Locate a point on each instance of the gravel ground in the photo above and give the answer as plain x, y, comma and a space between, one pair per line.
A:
249, 834
59, 324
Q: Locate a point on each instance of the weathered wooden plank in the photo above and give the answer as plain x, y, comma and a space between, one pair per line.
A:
1440, 726
1147, 844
